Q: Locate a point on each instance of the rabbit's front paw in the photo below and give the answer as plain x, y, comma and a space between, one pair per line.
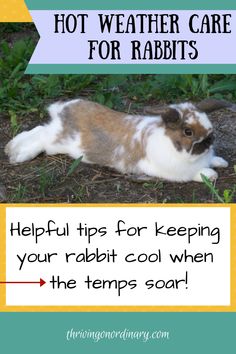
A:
219, 162
207, 172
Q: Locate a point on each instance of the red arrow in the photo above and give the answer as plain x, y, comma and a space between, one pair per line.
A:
41, 282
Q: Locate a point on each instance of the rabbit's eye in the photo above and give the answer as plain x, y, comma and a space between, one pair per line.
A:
188, 132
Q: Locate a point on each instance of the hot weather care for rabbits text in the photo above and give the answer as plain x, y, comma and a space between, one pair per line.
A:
143, 24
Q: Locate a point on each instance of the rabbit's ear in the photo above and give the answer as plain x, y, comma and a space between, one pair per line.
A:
210, 104
158, 110
171, 117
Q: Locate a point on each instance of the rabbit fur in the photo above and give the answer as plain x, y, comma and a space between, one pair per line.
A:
175, 144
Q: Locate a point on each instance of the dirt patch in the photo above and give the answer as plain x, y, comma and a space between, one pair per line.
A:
46, 179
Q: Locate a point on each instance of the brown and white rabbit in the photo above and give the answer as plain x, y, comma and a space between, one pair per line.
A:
175, 144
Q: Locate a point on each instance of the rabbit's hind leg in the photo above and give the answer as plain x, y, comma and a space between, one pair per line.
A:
26, 145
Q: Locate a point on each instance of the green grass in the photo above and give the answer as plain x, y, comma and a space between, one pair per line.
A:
46, 180
153, 185
15, 126
74, 165
227, 195
18, 194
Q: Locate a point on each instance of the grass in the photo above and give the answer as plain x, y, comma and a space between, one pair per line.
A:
15, 126
46, 180
19, 194
78, 196
226, 197
74, 166
153, 185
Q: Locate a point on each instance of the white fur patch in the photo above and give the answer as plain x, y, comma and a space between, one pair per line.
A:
211, 174
133, 119
145, 123
56, 108
69, 145
204, 120
190, 120
183, 106
119, 152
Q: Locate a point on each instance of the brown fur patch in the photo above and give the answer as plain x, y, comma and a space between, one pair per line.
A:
107, 136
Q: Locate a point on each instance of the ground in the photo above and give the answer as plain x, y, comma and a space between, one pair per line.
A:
52, 179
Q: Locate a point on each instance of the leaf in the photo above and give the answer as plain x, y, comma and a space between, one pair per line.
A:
214, 191
204, 83
14, 124
100, 98
74, 166
223, 86
17, 69
228, 195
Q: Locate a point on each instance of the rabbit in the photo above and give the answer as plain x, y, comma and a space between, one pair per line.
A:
174, 143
